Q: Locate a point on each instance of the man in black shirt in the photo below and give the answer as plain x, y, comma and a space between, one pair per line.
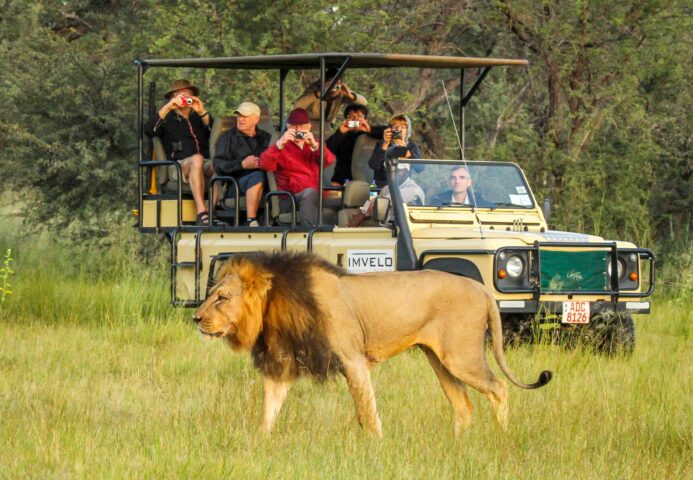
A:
343, 140
238, 153
184, 126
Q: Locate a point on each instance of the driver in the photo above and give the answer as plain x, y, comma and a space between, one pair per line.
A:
460, 192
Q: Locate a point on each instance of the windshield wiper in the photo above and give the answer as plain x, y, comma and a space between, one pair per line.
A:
508, 204
456, 204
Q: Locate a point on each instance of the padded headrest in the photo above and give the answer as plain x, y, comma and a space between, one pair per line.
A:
266, 120
363, 149
356, 193
220, 125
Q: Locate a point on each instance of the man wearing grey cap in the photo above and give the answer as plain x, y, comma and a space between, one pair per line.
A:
238, 153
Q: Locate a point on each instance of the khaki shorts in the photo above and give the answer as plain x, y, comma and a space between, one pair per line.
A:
173, 171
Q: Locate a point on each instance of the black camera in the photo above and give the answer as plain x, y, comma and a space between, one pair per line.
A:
396, 134
299, 135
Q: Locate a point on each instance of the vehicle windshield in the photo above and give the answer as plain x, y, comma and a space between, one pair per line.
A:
470, 184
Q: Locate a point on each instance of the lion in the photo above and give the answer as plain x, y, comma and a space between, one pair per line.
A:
299, 315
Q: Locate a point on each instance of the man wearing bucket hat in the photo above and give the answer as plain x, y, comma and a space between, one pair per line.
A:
296, 160
184, 126
238, 155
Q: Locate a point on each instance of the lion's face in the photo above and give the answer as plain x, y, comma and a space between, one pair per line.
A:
235, 306
220, 313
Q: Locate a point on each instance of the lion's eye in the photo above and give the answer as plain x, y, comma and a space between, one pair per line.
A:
220, 299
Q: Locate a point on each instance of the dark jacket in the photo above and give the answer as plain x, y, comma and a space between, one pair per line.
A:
233, 146
378, 159
182, 137
342, 145
446, 198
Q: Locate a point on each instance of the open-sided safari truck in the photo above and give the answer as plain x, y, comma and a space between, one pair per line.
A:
542, 279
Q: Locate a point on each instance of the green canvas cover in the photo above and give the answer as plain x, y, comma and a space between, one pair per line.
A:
574, 271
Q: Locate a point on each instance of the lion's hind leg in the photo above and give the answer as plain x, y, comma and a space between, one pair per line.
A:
358, 377
475, 372
455, 391
274, 395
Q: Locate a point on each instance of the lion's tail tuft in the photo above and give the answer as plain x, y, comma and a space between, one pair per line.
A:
544, 378
494, 320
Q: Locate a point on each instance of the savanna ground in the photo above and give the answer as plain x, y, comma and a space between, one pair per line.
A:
100, 378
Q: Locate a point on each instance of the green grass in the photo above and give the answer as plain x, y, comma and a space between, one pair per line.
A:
150, 400
100, 378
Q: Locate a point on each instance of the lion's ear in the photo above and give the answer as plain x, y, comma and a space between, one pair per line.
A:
256, 282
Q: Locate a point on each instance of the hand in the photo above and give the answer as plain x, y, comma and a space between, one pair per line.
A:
310, 139
197, 105
387, 138
289, 136
364, 126
344, 127
345, 91
250, 162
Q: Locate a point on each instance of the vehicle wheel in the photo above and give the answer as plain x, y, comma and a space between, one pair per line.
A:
609, 333
620, 335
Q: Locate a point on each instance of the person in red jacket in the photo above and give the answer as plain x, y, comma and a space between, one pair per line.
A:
295, 159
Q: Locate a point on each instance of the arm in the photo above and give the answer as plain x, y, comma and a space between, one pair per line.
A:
329, 156
307, 99
414, 149
335, 140
153, 127
377, 158
360, 99
225, 161
269, 159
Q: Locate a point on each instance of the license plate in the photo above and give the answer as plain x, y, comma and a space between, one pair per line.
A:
576, 312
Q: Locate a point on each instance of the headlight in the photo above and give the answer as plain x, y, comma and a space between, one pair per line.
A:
514, 266
621, 267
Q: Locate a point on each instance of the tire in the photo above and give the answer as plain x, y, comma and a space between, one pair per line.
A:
608, 333
620, 338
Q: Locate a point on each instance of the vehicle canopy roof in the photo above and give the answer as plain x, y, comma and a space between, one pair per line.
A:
334, 59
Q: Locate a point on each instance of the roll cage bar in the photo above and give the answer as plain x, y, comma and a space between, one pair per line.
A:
322, 61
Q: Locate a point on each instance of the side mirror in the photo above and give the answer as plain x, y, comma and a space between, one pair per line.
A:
381, 209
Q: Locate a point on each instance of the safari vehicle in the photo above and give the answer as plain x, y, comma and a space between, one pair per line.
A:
542, 279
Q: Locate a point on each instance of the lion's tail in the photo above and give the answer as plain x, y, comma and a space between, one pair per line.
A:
494, 320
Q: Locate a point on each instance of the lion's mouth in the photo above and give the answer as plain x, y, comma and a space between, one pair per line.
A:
210, 334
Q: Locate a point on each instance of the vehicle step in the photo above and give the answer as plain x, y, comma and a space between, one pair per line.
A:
184, 265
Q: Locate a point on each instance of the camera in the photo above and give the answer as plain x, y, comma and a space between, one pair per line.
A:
396, 134
353, 123
186, 100
299, 135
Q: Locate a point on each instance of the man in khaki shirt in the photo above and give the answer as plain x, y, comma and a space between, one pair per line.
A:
340, 95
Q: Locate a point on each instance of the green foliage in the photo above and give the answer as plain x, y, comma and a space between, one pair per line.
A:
5, 274
599, 120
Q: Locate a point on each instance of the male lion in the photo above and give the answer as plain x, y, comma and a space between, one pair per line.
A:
299, 314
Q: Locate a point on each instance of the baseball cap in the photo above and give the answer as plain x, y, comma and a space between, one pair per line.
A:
248, 108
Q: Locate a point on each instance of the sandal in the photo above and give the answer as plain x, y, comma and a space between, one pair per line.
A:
202, 218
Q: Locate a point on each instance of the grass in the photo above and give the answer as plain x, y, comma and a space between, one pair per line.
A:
150, 400
100, 378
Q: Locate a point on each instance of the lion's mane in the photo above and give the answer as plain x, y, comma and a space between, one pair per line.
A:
284, 327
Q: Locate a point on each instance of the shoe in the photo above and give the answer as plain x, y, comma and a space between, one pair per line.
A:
252, 222
202, 218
